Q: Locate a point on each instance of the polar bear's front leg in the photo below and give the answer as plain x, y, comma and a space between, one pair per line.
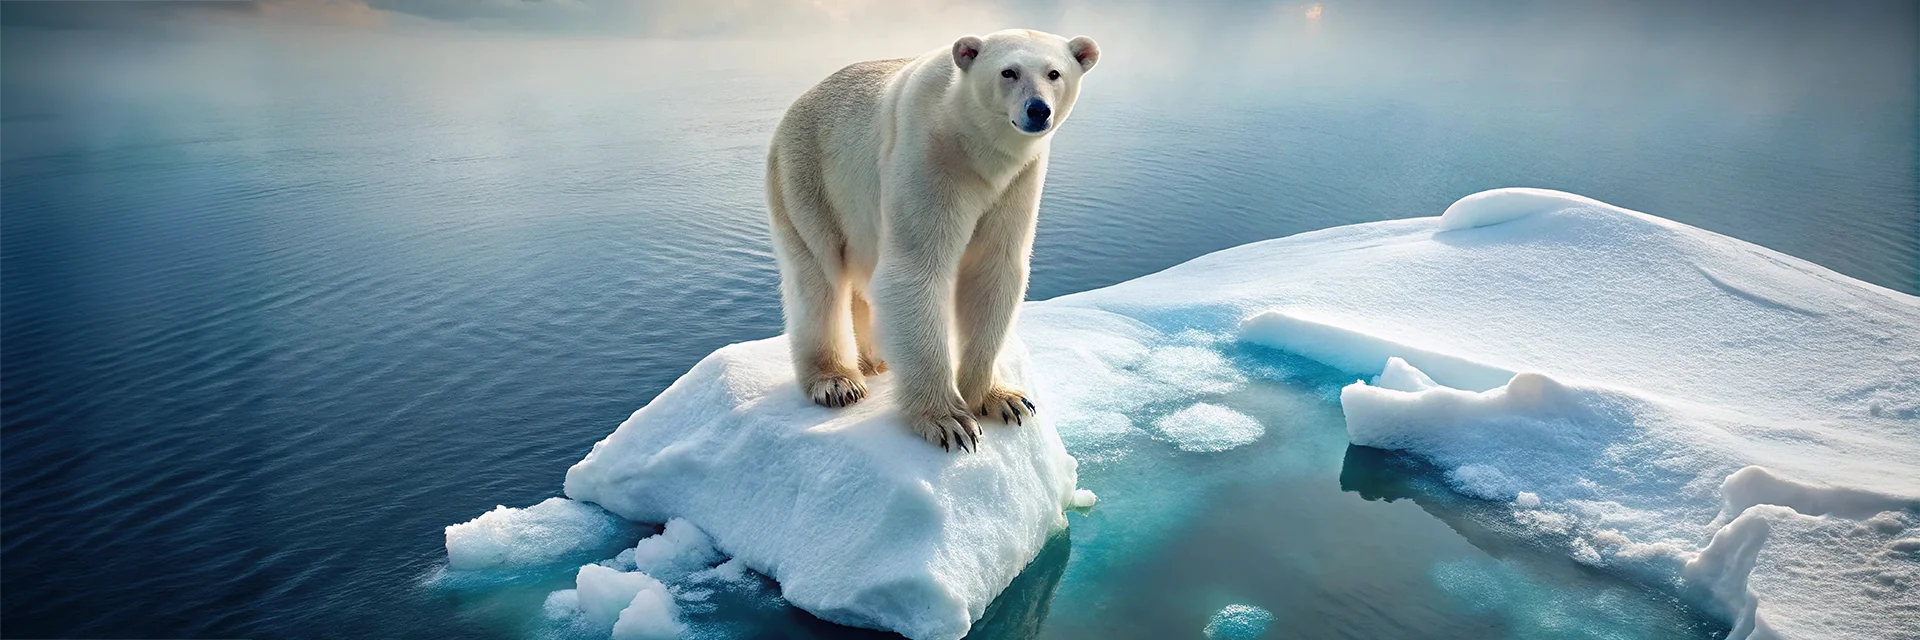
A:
990, 295
992, 283
913, 288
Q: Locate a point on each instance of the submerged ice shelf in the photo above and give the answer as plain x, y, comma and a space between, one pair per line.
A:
1723, 422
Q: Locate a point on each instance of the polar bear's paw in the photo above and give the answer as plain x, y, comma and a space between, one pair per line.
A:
948, 426
836, 390
1008, 404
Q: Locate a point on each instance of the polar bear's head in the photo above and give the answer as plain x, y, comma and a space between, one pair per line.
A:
1030, 78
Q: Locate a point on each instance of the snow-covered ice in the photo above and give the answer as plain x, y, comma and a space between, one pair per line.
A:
1653, 397
1719, 421
859, 521
556, 530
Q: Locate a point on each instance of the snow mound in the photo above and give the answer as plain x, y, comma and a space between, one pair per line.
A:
1496, 206
1653, 398
860, 521
551, 532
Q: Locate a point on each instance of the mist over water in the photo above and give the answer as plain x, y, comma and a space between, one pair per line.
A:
284, 297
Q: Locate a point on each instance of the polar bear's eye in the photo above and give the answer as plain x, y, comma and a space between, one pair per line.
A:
1009, 74
1053, 75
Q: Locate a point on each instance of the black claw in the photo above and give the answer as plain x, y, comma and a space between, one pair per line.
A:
1018, 421
1027, 402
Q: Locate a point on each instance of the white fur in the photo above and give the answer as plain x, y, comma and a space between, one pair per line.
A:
903, 196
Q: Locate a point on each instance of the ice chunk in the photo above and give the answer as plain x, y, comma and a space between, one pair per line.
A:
651, 615
1238, 622
1443, 417
1084, 499
602, 593
679, 550
553, 531
860, 521
1204, 428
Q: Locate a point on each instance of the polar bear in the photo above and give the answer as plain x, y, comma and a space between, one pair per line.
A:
903, 196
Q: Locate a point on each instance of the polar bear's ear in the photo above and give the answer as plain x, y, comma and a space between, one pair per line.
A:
966, 50
1084, 50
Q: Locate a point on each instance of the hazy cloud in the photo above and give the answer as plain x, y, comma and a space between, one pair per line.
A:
151, 13
674, 18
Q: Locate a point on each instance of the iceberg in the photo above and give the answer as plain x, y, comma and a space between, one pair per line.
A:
1718, 421
858, 520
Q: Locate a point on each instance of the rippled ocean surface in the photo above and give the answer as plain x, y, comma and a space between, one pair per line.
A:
281, 304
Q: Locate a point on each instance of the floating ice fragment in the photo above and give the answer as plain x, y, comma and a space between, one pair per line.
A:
557, 529
603, 593
1083, 498
679, 550
1238, 622
1205, 428
651, 615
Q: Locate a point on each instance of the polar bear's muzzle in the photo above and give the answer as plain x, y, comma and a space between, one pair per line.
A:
1037, 118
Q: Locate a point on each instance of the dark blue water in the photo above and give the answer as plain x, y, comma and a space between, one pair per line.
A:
279, 304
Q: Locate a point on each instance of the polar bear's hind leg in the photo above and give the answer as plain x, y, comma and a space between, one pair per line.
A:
818, 310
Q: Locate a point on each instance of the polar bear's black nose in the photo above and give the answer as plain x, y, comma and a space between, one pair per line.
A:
1038, 111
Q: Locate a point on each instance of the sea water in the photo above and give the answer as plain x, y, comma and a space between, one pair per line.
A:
281, 304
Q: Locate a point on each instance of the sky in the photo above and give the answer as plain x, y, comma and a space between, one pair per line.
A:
673, 18
694, 18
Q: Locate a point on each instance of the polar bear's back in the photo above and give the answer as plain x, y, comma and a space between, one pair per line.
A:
826, 158
848, 97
